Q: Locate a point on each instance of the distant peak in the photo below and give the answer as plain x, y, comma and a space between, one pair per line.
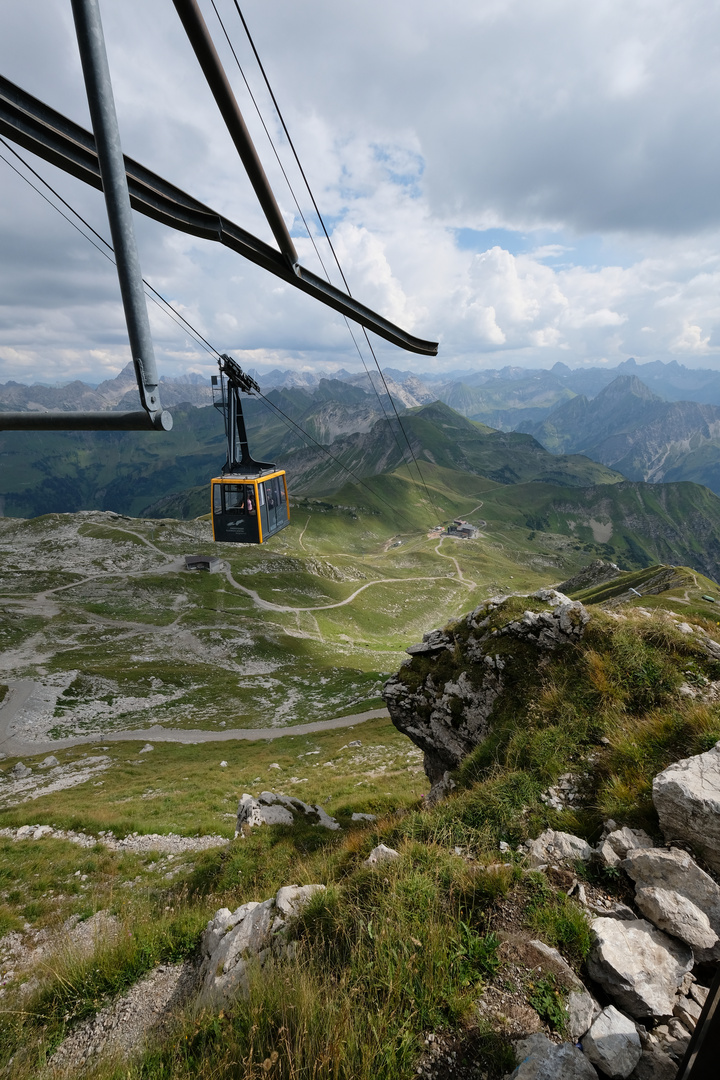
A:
625, 385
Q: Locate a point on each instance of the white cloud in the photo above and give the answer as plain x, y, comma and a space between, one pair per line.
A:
561, 124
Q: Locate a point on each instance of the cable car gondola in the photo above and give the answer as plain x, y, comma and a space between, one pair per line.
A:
249, 500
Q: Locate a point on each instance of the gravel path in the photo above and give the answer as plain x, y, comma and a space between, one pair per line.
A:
12, 743
122, 1027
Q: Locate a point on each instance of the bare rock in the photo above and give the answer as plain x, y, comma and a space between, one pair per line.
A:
687, 799
19, 770
654, 1065
541, 1059
688, 1013
581, 1010
553, 848
443, 696
674, 893
637, 965
616, 845
364, 817
232, 938
381, 854
440, 790
272, 809
613, 1044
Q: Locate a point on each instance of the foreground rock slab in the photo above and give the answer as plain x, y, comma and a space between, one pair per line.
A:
638, 966
273, 809
687, 799
541, 1059
677, 896
613, 1044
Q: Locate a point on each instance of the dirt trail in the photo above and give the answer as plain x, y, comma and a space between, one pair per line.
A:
267, 605
461, 577
21, 690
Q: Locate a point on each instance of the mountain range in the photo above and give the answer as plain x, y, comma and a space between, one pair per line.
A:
629, 428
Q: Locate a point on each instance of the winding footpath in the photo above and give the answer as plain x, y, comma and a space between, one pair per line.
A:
21, 691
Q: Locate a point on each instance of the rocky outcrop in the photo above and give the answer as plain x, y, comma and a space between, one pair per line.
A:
638, 966
443, 697
272, 809
254, 930
687, 800
677, 896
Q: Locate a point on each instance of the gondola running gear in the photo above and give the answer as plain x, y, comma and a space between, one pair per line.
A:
249, 501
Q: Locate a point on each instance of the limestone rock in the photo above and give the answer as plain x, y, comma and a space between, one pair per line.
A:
272, 809
234, 937
688, 1013
674, 893
613, 1044
553, 848
654, 1065
49, 762
19, 770
541, 1059
617, 844
581, 1008
381, 854
687, 799
462, 674
364, 817
637, 965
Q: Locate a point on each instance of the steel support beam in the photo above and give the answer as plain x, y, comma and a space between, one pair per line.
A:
96, 72
45, 132
206, 53
86, 421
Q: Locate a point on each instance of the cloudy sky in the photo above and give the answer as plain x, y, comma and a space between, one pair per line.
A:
523, 181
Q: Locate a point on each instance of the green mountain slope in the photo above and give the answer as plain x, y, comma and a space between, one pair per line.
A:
130, 471
635, 524
439, 435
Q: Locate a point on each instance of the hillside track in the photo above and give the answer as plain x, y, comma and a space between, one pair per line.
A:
21, 691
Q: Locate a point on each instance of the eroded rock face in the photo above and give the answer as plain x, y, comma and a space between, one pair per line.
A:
687, 799
443, 697
637, 965
677, 896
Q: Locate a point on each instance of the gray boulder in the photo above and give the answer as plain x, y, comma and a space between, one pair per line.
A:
687, 800
674, 893
381, 854
581, 1008
553, 848
541, 1059
613, 1044
617, 844
272, 809
254, 930
19, 770
638, 966
654, 1065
